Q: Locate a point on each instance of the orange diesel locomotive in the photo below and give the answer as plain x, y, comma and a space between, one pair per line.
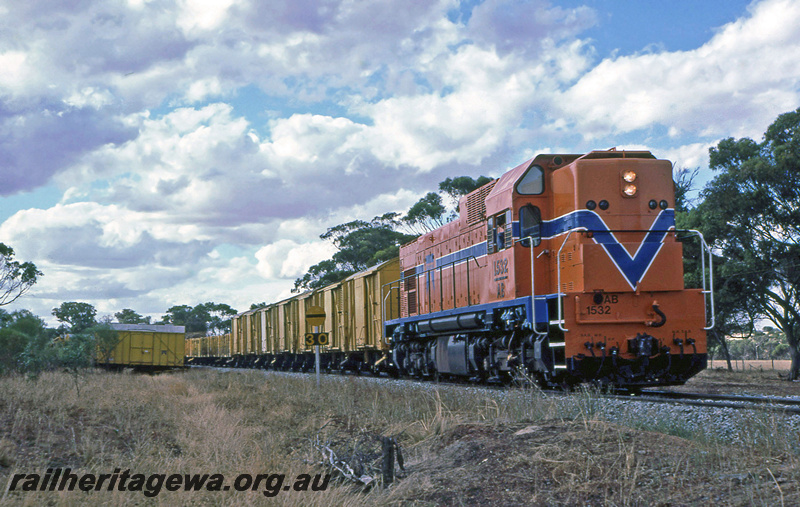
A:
567, 266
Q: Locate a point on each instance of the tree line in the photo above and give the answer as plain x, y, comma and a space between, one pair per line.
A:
205, 318
28, 345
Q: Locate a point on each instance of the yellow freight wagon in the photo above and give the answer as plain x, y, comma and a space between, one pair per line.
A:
324, 298
273, 324
361, 311
146, 346
194, 347
363, 296
219, 346
208, 350
239, 327
295, 343
274, 337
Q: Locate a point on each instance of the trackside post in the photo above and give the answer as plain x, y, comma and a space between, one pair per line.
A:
315, 318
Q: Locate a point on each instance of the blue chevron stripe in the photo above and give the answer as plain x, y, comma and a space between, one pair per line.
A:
633, 268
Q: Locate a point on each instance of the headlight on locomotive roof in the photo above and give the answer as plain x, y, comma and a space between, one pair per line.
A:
629, 190
629, 176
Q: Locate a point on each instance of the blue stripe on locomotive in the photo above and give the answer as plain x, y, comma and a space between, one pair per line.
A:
633, 268
487, 308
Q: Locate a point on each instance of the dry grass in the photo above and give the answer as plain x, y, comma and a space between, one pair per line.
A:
462, 447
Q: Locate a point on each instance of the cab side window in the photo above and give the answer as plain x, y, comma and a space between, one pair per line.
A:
530, 221
499, 234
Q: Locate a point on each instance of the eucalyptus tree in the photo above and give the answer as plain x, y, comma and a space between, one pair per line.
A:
16, 278
751, 215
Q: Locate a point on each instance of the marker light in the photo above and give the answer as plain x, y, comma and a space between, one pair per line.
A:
629, 176
629, 190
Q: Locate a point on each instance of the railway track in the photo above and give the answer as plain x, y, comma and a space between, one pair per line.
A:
734, 401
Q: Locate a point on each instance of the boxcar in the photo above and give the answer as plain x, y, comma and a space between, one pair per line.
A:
146, 347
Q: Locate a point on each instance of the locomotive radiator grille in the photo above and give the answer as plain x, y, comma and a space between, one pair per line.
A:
408, 305
476, 203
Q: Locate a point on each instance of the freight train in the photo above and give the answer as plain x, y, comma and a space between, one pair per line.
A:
567, 268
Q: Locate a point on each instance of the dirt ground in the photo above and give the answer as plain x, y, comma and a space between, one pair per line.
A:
757, 377
779, 365
589, 463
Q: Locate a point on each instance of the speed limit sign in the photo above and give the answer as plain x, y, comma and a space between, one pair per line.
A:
316, 339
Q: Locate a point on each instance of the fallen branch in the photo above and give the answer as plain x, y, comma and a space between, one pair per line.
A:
366, 463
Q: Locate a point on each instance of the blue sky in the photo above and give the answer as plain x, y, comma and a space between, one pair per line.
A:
162, 152
634, 26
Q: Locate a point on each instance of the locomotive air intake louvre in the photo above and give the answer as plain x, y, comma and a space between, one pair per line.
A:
476, 203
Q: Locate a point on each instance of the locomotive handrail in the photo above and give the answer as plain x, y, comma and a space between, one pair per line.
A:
533, 289
383, 288
708, 290
558, 280
383, 307
441, 284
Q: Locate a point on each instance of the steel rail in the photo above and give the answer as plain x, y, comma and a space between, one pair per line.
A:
737, 402
724, 397
787, 406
